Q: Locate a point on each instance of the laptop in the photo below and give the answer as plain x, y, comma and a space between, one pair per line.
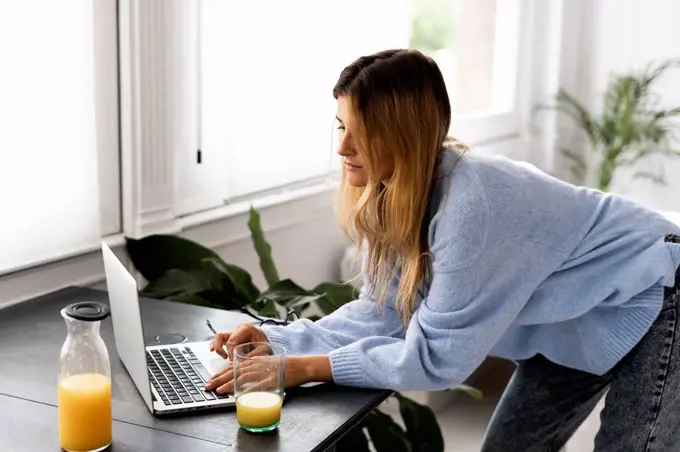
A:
170, 378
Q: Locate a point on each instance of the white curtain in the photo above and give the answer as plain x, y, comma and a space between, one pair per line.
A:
48, 158
267, 74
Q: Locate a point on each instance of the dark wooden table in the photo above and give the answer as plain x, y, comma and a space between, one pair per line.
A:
31, 335
32, 426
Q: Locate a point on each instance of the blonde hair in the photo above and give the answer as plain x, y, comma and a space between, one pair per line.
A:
401, 112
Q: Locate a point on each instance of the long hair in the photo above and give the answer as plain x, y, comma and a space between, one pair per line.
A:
400, 113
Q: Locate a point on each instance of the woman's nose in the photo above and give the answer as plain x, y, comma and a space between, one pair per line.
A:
345, 148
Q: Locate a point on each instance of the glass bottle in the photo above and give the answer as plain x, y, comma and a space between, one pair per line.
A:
84, 382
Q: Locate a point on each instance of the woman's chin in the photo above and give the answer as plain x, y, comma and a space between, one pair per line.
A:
356, 180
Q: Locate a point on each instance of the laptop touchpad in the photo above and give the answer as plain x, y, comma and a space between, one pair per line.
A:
211, 360
215, 365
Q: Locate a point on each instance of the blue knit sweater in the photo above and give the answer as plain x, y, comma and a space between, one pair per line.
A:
522, 264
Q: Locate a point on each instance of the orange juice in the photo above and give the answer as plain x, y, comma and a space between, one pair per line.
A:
258, 409
85, 412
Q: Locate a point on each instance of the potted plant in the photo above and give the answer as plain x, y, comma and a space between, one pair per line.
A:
183, 271
630, 129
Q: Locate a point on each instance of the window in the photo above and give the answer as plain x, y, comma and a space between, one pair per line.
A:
49, 174
267, 73
267, 79
469, 41
475, 44
193, 109
247, 109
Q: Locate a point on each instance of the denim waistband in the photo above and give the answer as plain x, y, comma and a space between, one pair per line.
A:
674, 239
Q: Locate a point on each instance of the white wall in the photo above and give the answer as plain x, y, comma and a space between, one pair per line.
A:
625, 35
307, 243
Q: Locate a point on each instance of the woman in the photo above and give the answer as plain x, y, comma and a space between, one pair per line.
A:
469, 256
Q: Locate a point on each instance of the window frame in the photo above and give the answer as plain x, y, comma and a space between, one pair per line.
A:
475, 128
107, 107
488, 126
144, 177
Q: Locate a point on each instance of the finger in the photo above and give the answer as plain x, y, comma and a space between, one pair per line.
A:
218, 343
266, 384
239, 336
253, 374
222, 372
254, 364
220, 380
241, 367
226, 388
235, 339
245, 380
259, 350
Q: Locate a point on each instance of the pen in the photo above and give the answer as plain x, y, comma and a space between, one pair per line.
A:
207, 322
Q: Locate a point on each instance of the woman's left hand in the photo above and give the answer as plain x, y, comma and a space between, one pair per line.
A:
299, 370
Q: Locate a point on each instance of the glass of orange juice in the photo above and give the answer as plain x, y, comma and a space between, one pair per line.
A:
84, 383
259, 377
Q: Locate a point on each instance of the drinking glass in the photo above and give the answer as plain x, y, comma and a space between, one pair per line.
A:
259, 377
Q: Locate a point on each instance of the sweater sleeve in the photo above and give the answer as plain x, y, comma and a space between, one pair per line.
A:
355, 320
482, 279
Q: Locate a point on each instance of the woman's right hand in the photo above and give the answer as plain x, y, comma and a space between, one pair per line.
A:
242, 334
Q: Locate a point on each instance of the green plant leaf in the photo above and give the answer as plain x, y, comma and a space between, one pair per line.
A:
652, 73
334, 296
263, 249
240, 279
647, 152
289, 295
605, 174
668, 152
354, 440
266, 308
174, 282
661, 114
469, 390
631, 125
222, 299
154, 255
656, 178
193, 287
385, 434
302, 302
568, 104
194, 299
579, 166
286, 286
422, 429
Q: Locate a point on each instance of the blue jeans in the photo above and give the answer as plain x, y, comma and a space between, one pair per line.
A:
545, 403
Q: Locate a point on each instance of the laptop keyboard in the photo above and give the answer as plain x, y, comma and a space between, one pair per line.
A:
178, 376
